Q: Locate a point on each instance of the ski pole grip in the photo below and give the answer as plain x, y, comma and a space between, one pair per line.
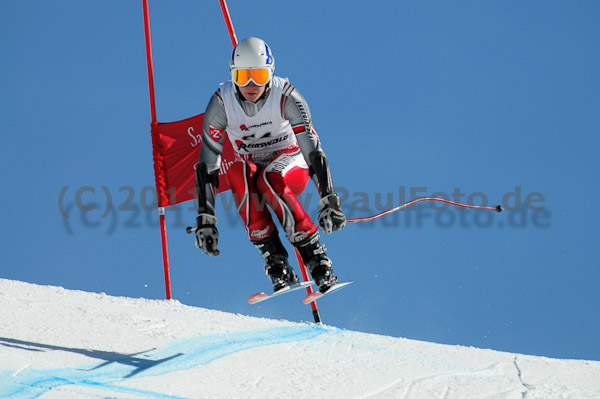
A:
190, 229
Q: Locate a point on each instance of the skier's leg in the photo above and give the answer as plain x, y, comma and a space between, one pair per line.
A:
316, 261
259, 224
250, 204
277, 266
280, 182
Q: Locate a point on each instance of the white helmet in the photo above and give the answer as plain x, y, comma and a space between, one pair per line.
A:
252, 53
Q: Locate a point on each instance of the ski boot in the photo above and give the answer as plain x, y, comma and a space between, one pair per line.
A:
317, 262
277, 266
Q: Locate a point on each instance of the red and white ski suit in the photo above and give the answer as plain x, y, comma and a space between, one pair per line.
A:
274, 142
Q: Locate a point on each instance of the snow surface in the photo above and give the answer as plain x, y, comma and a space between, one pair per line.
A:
58, 343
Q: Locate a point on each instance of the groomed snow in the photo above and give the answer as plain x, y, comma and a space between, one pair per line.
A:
58, 343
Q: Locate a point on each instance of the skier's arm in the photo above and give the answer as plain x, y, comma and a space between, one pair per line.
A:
207, 174
296, 110
209, 161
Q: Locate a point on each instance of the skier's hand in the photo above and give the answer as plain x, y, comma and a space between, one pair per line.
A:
331, 217
207, 235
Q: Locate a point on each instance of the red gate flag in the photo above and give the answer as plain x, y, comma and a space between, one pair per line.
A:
176, 147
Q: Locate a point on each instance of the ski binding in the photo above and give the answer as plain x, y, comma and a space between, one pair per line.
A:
261, 296
310, 298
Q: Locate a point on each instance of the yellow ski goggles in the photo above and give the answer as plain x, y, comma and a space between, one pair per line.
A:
260, 76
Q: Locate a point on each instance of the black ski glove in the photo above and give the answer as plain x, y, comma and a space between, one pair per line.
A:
331, 217
207, 235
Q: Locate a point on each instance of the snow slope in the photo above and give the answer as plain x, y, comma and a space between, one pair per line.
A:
57, 343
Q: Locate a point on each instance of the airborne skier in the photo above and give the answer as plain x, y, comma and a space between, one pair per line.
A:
276, 149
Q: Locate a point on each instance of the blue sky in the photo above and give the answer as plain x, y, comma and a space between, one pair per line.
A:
478, 97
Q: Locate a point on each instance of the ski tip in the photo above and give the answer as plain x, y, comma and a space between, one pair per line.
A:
312, 297
261, 296
257, 298
316, 295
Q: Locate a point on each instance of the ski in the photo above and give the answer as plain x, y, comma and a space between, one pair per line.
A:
261, 296
316, 295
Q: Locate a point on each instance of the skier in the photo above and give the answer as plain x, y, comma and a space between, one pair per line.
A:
276, 148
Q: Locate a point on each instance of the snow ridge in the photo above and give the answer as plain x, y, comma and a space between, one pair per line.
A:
57, 343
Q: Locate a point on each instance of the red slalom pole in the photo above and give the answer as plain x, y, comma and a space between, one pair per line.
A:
165, 252
228, 22
159, 190
309, 290
149, 60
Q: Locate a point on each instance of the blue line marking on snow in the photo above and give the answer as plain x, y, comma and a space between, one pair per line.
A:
182, 355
